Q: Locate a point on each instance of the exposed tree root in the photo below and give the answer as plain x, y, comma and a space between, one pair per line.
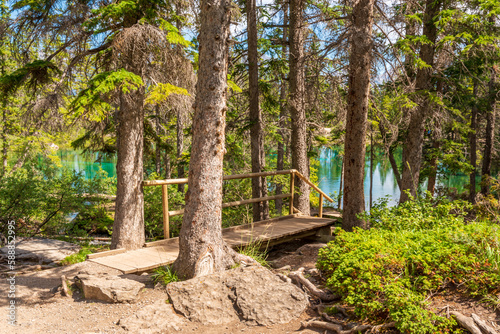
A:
244, 260
466, 322
65, 291
338, 329
298, 277
335, 327
482, 325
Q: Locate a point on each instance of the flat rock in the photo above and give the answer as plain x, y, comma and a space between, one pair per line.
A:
252, 293
45, 250
157, 318
110, 289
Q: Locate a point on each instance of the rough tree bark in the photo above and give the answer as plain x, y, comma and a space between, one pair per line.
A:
180, 148
158, 144
412, 149
490, 135
296, 104
4, 138
436, 144
473, 149
201, 248
259, 187
280, 160
357, 113
128, 227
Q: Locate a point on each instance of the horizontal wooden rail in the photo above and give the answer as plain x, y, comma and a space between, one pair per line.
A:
312, 185
150, 183
167, 214
236, 203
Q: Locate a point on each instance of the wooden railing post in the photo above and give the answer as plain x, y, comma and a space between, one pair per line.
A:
292, 185
320, 205
164, 196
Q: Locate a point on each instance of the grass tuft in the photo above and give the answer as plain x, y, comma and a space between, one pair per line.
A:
164, 275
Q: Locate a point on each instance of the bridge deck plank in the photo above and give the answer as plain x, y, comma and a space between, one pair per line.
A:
163, 253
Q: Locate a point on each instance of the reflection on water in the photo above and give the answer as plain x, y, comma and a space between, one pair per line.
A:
384, 181
87, 163
329, 172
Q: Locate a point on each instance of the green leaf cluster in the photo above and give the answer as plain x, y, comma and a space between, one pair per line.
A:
392, 269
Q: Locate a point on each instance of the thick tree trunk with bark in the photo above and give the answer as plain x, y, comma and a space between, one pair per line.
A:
280, 160
357, 113
158, 144
412, 149
4, 139
202, 250
128, 227
296, 104
259, 187
473, 149
490, 135
431, 184
436, 143
180, 148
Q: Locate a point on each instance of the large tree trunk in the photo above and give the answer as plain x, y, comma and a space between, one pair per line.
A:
473, 149
280, 160
490, 135
158, 144
412, 149
201, 248
128, 227
297, 107
4, 138
357, 113
180, 148
436, 143
259, 187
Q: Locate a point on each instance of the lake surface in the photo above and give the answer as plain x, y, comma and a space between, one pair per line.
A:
88, 163
329, 172
384, 181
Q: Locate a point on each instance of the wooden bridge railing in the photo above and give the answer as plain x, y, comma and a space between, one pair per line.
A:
292, 172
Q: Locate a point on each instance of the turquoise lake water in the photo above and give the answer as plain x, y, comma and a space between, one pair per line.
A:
329, 172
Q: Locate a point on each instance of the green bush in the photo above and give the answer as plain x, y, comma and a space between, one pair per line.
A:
40, 196
412, 251
424, 213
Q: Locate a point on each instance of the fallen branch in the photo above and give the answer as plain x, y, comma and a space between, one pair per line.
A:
483, 326
466, 322
298, 277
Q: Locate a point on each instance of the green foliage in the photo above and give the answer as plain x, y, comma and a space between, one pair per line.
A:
421, 214
391, 269
92, 219
92, 100
40, 196
164, 275
78, 257
160, 93
34, 74
257, 251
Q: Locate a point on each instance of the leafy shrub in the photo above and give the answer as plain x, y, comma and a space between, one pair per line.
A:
413, 215
39, 197
391, 272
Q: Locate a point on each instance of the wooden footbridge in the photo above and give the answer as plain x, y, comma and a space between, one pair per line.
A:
268, 232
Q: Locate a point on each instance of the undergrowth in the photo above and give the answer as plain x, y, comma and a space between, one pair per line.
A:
257, 251
164, 275
80, 256
411, 252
